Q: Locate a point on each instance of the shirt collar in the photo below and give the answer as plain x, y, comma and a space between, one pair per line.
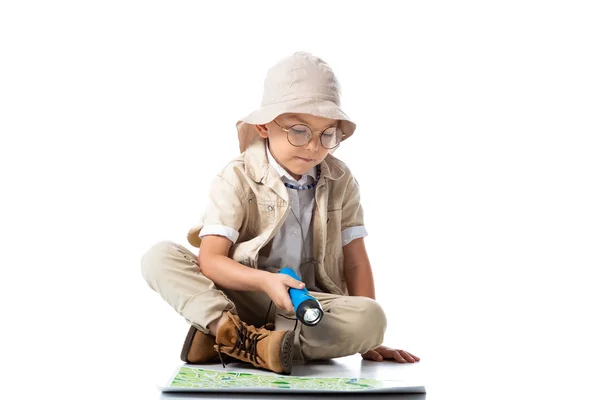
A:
286, 175
257, 167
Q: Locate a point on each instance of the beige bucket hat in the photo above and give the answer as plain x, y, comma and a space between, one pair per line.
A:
301, 83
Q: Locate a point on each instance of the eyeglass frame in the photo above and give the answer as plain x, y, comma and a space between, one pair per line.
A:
312, 133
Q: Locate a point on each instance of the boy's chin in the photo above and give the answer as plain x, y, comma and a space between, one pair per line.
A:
301, 171
298, 167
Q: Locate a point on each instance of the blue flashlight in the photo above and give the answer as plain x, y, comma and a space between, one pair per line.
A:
308, 310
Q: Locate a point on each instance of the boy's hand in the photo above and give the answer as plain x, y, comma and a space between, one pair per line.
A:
276, 287
385, 353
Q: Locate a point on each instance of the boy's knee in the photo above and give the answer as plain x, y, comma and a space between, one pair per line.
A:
369, 325
359, 327
375, 322
154, 260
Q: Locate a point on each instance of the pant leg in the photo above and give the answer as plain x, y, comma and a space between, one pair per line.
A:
351, 324
173, 271
251, 307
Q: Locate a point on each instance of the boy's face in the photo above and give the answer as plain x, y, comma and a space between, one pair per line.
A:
296, 160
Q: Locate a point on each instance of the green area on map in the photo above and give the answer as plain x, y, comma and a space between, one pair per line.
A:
198, 378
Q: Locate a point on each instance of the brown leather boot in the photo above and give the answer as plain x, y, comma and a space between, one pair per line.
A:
199, 347
260, 347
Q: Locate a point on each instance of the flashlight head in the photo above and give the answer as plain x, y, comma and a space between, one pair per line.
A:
310, 312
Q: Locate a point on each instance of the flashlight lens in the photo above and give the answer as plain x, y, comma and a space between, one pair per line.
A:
312, 315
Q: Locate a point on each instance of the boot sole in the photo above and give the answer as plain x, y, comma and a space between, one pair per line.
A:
286, 354
188, 343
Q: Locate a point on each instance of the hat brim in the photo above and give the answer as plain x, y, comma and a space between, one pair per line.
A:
326, 109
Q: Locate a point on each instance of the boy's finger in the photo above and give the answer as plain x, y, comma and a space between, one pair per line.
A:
293, 283
406, 356
398, 357
287, 304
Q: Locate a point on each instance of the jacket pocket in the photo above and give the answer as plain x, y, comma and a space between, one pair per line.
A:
267, 212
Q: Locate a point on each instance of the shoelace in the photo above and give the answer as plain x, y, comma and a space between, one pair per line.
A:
281, 315
243, 336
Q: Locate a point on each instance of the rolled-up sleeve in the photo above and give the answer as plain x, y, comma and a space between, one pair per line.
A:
220, 230
352, 215
225, 212
354, 232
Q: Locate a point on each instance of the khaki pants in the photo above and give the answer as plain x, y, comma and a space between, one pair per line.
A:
351, 324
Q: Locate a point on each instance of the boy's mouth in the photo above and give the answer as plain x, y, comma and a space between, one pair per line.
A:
305, 159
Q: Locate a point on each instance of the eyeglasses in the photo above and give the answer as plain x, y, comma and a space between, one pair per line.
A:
299, 135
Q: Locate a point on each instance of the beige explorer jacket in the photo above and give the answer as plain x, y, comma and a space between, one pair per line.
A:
249, 197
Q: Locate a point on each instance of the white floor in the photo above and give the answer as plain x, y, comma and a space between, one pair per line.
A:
351, 367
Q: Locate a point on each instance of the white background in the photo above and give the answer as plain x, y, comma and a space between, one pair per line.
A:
476, 151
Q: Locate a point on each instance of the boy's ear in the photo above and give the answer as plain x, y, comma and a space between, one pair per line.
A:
262, 131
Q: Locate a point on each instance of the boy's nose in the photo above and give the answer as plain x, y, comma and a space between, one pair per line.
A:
314, 143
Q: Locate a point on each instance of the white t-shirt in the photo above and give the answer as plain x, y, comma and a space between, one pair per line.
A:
292, 246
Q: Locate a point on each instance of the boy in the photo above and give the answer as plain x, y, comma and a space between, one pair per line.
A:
285, 201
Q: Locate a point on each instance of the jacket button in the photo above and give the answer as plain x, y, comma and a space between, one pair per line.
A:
270, 208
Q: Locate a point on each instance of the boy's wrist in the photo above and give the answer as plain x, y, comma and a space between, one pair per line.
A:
260, 278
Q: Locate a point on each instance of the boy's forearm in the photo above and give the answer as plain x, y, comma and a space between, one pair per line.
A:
230, 274
360, 281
